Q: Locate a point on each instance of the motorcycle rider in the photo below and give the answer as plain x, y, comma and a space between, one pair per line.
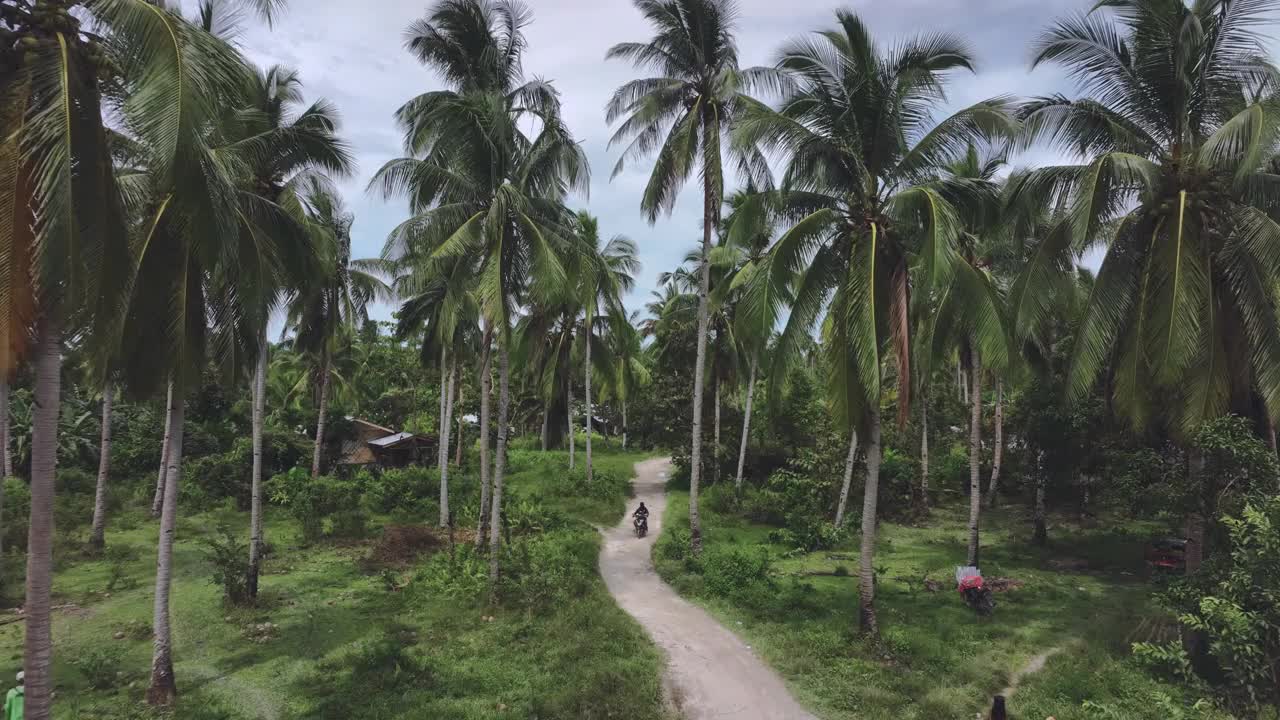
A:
641, 515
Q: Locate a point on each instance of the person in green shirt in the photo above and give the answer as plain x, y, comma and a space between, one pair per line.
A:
14, 700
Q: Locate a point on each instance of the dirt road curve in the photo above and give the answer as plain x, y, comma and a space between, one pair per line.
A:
712, 673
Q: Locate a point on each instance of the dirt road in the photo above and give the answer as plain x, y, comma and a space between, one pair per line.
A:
711, 673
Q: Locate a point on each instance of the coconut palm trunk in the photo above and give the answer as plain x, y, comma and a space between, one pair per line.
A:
546, 423
848, 477
704, 314
499, 463
6, 429
320, 419
1195, 521
569, 414
446, 421
457, 456
97, 536
485, 360
975, 454
924, 450
38, 645
870, 496
746, 426
624, 433
164, 688
586, 391
1040, 535
998, 454
715, 435
158, 499
255, 482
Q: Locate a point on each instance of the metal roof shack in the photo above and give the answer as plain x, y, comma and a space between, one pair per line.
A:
372, 444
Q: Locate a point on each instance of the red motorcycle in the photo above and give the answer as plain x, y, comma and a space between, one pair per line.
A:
974, 591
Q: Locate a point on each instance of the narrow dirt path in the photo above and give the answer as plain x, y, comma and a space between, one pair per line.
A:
711, 673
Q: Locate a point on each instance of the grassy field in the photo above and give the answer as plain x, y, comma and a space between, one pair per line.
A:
936, 659
332, 640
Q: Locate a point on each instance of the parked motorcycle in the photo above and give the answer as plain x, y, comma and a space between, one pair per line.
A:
976, 594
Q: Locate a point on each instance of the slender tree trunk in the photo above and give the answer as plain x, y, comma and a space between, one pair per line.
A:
1195, 553
446, 421
499, 462
624, 430
848, 477
6, 428
998, 454
924, 450
964, 384
255, 483
546, 423
746, 424
586, 392
7, 466
164, 453
320, 420
1271, 433
975, 455
1040, 535
457, 458
870, 496
715, 455
38, 645
699, 368
485, 359
569, 417
98, 535
164, 688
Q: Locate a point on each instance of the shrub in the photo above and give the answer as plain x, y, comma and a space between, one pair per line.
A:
99, 666
228, 556
399, 488
311, 502
17, 511
603, 486
1235, 602
118, 558
764, 506
950, 469
721, 498
734, 572
461, 575
544, 572
809, 536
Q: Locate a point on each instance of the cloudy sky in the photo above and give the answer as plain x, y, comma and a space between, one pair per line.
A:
353, 54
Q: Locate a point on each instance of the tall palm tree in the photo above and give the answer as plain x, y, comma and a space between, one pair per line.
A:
608, 271
861, 144
478, 186
969, 313
336, 302
684, 113
283, 144
630, 372
1177, 127
63, 217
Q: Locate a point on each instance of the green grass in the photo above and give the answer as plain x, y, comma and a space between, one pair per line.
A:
340, 639
935, 658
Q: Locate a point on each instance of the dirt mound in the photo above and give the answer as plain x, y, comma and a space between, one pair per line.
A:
401, 545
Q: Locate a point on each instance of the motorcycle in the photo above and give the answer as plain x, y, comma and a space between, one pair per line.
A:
641, 526
976, 594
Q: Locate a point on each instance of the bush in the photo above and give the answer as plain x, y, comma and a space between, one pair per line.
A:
99, 667
228, 556
544, 572
312, 502
17, 512
736, 573
399, 488
1235, 602
460, 575
118, 558
603, 486
809, 536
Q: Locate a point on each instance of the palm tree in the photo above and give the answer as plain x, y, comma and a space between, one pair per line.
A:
70, 269
283, 145
336, 302
969, 313
683, 114
97, 533
1177, 129
608, 271
478, 186
860, 137
630, 372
